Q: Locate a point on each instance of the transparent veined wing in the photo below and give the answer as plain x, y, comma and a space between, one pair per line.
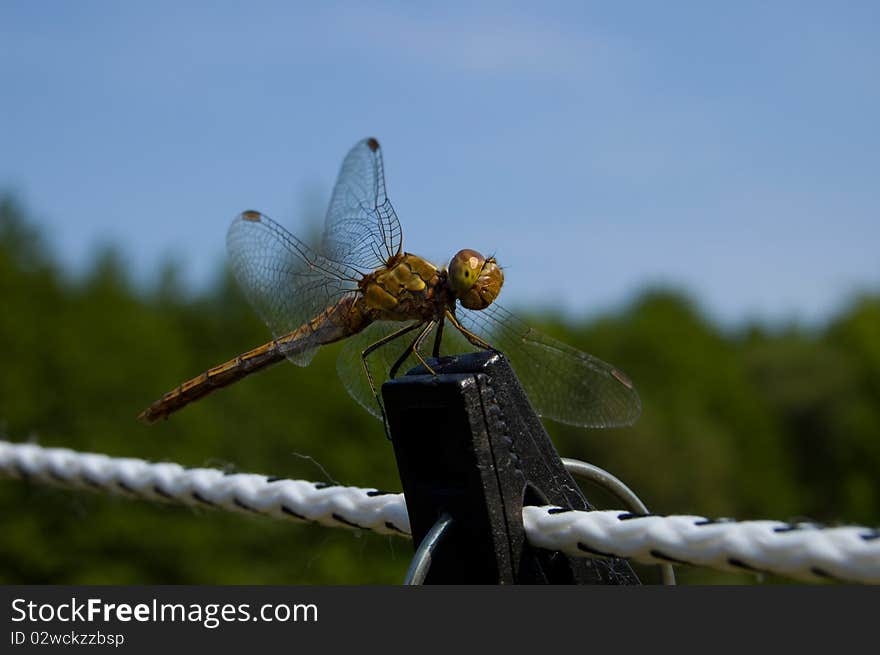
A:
562, 382
351, 370
361, 229
286, 282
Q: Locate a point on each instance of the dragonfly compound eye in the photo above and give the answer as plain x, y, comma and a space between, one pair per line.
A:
475, 280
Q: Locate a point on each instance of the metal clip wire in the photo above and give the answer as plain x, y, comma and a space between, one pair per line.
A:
421, 562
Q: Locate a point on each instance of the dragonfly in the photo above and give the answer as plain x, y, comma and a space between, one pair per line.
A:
360, 286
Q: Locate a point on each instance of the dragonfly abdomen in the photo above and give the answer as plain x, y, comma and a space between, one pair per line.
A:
214, 378
334, 323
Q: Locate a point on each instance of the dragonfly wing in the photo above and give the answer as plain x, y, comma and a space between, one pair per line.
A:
562, 382
286, 282
361, 228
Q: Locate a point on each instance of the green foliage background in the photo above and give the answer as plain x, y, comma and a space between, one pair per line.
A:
761, 423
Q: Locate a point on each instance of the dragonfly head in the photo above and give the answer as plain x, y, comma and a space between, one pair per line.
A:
475, 280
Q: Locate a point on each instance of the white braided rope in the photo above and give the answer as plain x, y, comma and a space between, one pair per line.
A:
802, 551
805, 551
334, 506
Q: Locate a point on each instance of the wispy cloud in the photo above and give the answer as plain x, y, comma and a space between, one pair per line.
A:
497, 44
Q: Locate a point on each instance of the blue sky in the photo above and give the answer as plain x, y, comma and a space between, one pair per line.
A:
731, 149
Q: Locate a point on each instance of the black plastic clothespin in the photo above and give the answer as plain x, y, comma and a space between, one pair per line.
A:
469, 444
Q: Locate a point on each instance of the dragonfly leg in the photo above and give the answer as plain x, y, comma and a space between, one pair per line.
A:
391, 337
366, 353
414, 349
470, 336
438, 337
418, 344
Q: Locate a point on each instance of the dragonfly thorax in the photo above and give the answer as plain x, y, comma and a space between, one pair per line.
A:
475, 280
408, 287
